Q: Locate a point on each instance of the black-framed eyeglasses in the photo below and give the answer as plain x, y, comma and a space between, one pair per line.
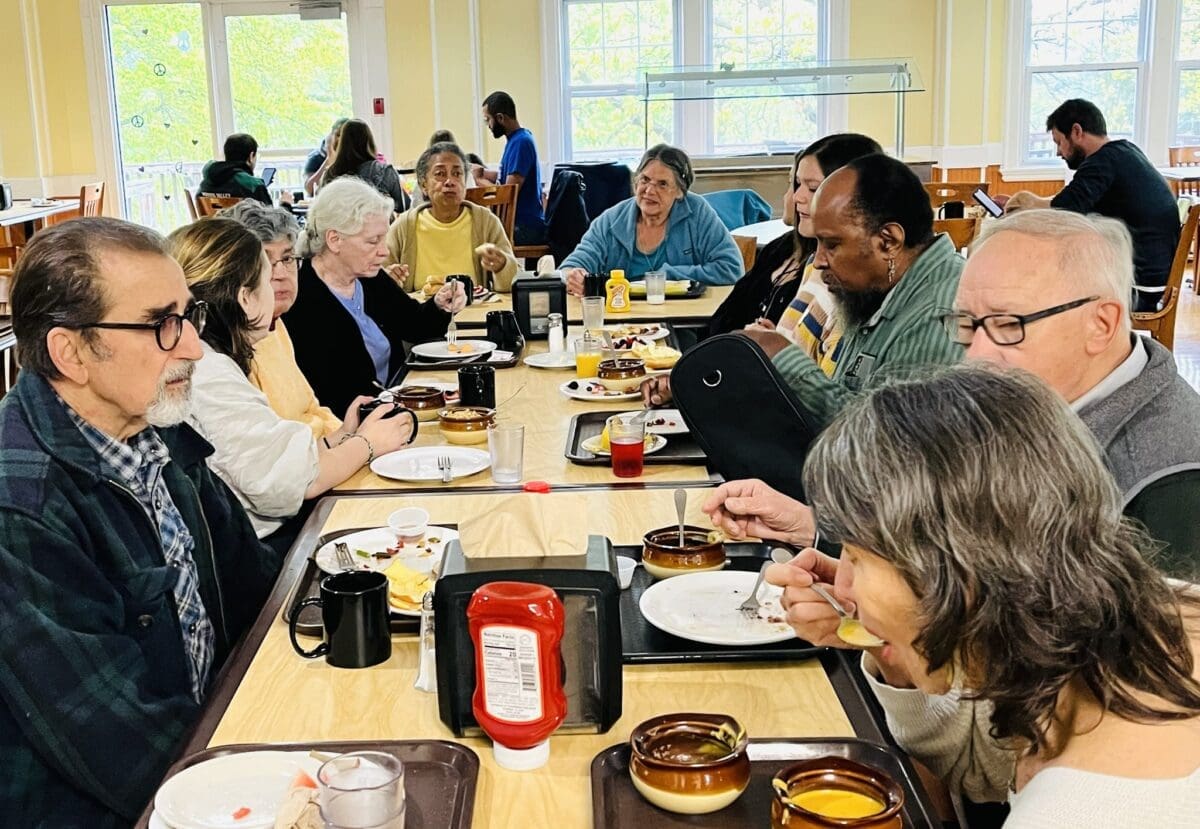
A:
168, 330
1002, 329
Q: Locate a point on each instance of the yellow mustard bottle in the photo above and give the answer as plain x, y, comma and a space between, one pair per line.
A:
617, 291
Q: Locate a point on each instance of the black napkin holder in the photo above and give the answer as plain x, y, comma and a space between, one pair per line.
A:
534, 300
591, 644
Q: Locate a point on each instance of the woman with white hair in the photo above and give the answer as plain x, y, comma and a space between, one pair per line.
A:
350, 319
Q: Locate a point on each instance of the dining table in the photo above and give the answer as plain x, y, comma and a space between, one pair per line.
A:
24, 218
267, 694
678, 311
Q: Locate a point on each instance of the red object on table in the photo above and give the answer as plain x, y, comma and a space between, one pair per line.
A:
516, 629
536, 486
627, 457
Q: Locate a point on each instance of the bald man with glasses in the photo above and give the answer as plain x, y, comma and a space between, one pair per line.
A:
128, 570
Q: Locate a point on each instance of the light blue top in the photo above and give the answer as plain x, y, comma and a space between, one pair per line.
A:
697, 245
377, 344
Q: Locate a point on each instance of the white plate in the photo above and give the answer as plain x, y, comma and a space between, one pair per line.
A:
659, 332
206, 795
703, 607
579, 393
420, 463
415, 556
592, 445
674, 422
436, 350
564, 359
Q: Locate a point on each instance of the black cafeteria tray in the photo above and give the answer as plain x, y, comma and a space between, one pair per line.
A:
695, 291
615, 802
679, 448
309, 584
643, 643
415, 363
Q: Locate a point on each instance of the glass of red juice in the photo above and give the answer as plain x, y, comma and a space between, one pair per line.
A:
626, 437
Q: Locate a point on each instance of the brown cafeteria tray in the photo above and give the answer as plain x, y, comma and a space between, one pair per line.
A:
439, 776
616, 803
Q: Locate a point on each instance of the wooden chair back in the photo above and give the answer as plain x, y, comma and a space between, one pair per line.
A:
748, 245
961, 231
91, 203
501, 199
1160, 324
941, 192
209, 205
1183, 156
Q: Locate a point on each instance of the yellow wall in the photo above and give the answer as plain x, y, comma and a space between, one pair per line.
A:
17, 156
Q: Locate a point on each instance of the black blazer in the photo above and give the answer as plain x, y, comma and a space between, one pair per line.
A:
329, 347
744, 302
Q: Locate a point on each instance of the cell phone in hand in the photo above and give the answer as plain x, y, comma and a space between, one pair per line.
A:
988, 203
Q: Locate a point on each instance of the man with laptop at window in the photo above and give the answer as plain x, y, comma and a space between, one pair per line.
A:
1115, 179
235, 175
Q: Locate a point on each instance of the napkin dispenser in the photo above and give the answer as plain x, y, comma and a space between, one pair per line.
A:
534, 300
591, 644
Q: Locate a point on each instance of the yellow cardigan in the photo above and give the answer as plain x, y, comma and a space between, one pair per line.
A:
275, 373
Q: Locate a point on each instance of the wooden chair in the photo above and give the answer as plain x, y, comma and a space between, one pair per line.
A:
961, 231
209, 205
530, 251
941, 192
1161, 324
501, 199
748, 245
91, 203
1184, 157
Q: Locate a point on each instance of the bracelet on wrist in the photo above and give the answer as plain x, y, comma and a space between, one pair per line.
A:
370, 448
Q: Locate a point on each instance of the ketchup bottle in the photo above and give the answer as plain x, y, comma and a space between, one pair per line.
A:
516, 629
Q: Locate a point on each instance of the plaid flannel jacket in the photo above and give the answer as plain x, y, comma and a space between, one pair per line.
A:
95, 692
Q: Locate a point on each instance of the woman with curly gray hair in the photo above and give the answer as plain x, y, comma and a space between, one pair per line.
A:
1033, 652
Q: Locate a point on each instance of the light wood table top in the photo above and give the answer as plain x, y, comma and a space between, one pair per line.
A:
23, 212
283, 697
531, 396
673, 310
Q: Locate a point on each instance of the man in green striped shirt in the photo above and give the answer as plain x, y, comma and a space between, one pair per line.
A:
891, 277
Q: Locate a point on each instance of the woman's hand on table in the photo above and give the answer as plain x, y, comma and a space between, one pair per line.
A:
574, 278
751, 508
451, 297
351, 421
656, 390
808, 614
491, 257
386, 435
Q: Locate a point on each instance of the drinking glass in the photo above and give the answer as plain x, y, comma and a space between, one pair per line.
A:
362, 790
593, 313
588, 353
506, 443
656, 287
626, 437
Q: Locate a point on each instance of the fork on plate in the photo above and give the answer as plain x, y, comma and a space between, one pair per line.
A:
341, 554
444, 467
452, 337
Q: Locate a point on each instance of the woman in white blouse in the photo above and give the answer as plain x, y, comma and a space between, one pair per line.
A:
273, 465
1033, 654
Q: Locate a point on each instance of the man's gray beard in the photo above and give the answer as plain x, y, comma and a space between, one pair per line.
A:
167, 408
855, 309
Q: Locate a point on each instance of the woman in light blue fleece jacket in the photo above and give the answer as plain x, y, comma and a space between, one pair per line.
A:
663, 227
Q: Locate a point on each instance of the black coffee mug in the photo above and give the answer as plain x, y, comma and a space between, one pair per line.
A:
504, 331
593, 283
952, 210
297, 195
354, 617
468, 285
477, 386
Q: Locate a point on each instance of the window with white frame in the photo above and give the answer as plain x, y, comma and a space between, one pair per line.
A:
1093, 49
1187, 74
606, 45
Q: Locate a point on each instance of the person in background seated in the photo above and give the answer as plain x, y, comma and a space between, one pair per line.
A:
1032, 653
663, 227
767, 296
273, 465
356, 156
1113, 178
518, 165
274, 371
318, 160
1048, 291
235, 175
447, 234
350, 319
128, 570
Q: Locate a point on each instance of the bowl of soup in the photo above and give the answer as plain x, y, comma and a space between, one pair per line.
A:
691, 764
424, 401
622, 375
664, 556
829, 792
465, 425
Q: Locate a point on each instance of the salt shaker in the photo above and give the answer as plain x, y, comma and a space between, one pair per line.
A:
555, 333
427, 667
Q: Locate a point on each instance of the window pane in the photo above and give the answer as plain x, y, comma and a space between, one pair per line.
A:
1084, 31
612, 126
1189, 30
754, 124
1114, 91
749, 33
160, 85
1187, 128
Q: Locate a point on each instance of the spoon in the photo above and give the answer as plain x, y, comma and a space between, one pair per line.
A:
680, 509
612, 352
849, 630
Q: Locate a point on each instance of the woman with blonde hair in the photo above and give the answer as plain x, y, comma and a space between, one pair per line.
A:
272, 465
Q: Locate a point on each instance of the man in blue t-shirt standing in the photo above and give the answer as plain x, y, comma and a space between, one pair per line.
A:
518, 165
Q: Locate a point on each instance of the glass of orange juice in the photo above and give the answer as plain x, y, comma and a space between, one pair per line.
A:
588, 351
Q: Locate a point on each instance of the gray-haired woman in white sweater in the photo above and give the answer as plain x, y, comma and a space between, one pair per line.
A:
1033, 653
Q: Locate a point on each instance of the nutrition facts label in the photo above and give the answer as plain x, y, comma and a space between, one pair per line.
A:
511, 673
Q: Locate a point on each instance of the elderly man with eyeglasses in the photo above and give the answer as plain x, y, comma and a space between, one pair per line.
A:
128, 570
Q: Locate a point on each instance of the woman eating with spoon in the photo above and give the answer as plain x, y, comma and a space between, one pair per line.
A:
1033, 653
